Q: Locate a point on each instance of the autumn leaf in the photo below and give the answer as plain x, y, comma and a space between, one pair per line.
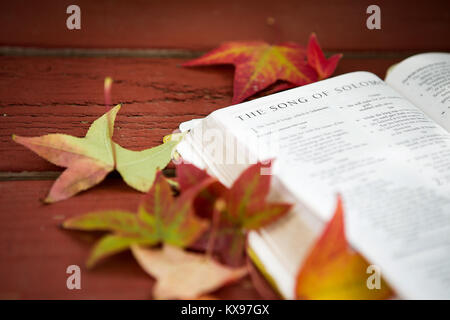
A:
160, 219
189, 176
258, 65
89, 159
232, 211
333, 270
184, 275
323, 66
246, 204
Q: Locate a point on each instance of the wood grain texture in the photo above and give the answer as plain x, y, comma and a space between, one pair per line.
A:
340, 24
64, 95
35, 252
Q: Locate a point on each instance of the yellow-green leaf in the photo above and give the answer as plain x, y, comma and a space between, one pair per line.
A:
160, 219
88, 160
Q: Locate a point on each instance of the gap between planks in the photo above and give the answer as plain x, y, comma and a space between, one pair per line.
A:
52, 175
165, 53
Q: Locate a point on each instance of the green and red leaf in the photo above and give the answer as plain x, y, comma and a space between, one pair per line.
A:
258, 65
189, 176
160, 219
173, 219
89, 159
232, 212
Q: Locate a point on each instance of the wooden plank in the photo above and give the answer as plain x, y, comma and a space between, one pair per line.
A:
50, 95
340, 25
35, 252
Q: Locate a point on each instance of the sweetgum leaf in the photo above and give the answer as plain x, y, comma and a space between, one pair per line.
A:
189, 176
258, 65
333, 270
112, 244
246, 204
174, 219
232, 211
160, 219
184, 275
323, 66
88, 160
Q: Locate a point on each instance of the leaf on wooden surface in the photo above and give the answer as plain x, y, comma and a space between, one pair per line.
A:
323, 66
173, 218
258, 65
160, 219
189, 176
184, 275
333, 270
233, 211
246, 204
89, 159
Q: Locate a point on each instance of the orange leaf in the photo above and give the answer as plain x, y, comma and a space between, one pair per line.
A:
333, 270
258, 65
184, 275
316, 59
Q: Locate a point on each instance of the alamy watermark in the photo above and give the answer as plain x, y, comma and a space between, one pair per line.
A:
374, 280
374, 20
73, 21
74, 280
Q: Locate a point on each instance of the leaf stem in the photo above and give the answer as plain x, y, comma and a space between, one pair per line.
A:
218, 208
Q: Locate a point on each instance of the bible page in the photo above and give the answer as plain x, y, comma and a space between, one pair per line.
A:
425, 80
356, 136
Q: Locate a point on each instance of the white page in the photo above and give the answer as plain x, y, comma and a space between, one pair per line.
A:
357, 136
425, 80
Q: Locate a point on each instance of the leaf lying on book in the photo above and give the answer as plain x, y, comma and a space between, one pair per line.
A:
160, 219
323, 66
258, 64
232, 211
184, 275
333, 270
89, 159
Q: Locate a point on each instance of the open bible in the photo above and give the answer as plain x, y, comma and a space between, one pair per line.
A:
384, 146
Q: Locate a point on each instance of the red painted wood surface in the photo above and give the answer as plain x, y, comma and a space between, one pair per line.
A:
49, 94
35, 251
340, 24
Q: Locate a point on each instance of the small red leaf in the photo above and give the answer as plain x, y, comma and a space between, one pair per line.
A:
316, 59
258, 65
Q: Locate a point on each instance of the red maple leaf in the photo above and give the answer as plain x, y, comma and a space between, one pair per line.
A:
259, 65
